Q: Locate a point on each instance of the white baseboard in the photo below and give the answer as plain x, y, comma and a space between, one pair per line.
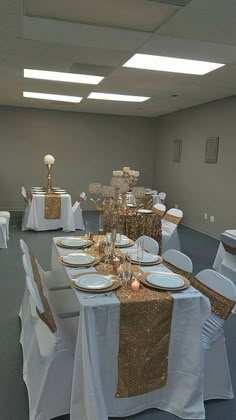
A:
215, 236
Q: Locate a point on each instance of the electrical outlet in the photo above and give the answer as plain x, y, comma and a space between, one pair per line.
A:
212, 219
205, 216
176, 206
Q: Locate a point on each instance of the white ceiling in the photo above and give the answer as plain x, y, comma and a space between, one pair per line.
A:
99, 36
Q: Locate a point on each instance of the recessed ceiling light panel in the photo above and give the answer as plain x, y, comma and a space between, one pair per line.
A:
116, 97
62, 77
51, 97
170, 64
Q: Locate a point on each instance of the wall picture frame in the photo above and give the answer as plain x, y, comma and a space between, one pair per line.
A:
177, 150
212, 149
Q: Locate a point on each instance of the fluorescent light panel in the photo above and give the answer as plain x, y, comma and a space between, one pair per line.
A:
62, 77
51, 97
116, 97
170, 64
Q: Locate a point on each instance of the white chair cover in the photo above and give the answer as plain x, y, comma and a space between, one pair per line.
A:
48, 360
3, 232
217, 375
77, 212
170, 237
178, 259
149, 244
162, 196
6, 215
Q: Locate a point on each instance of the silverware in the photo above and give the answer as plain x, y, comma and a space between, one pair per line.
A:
99, 294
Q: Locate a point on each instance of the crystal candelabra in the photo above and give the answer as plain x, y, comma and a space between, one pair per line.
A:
113, 203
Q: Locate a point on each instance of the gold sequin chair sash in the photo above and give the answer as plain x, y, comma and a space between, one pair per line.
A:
172, 219
228, 243
175, 269
158, 211
46, 316
52, 207
220, 305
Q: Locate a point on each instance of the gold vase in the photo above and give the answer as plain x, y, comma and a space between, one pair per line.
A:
49, 177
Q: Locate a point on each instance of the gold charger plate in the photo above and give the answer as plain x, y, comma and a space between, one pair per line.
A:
142, 264
130, 243
116, 284
95, 262
143, 279
58, 243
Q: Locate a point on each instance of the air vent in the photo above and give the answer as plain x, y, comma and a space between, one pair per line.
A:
180, 3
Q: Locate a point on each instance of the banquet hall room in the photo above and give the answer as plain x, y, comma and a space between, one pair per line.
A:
117, 209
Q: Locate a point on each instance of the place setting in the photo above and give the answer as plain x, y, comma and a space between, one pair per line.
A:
145, 258
74, 243
95, 282
121, 241
77, 260
164, 281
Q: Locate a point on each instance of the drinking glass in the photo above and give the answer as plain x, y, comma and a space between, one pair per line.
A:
127, 273
140, 247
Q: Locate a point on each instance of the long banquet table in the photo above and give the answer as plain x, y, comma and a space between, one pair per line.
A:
95, 372
37, 221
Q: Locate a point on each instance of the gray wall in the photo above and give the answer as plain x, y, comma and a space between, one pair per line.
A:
195, 186
87, 147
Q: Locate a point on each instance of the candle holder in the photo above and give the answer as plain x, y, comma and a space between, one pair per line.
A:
49, 160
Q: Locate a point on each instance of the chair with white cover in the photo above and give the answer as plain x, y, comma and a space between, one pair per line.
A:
225, 262
159, 209
162, 196
3, 232
77, 212
148, 244
61, 296
27, 201
48, 358
222, 295
6, 215
178, 262
170, 222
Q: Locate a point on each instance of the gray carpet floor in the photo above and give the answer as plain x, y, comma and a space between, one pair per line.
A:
13, 395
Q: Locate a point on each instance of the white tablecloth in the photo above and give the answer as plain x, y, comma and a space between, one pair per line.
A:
36, 220
95, 367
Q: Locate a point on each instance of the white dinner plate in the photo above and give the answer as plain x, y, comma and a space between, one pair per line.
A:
59, 192
78, 258
123, 241
96, 281
75, 242
38, 192
168, 281
145, 211
147, 258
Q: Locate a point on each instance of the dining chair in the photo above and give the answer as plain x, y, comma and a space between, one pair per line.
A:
62, 297
48, 358
227, 263
3, 232
159, 209
77, 212
148, 244
178, 262
222, 294
169, 223
162, 196
6, 215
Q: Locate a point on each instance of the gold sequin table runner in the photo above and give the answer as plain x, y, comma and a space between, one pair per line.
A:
145, 324
52, 207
